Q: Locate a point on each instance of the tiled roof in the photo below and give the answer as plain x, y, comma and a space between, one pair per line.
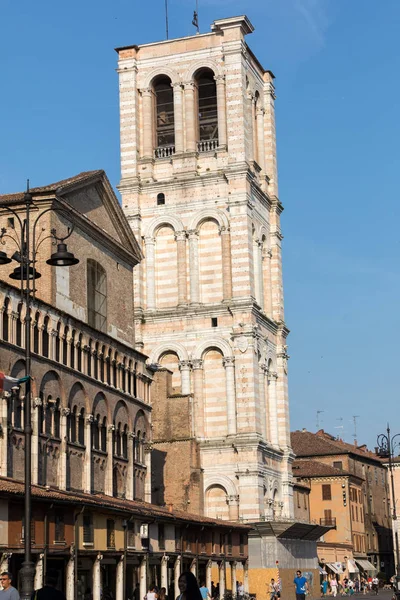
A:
52, 187
16, 488
312, 468
305, 443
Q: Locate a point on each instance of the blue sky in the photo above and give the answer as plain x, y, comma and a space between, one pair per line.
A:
337, 66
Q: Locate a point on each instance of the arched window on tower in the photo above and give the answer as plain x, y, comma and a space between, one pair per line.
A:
165, 122
36, 333
19, 325
45, 337
208, 113
5, 320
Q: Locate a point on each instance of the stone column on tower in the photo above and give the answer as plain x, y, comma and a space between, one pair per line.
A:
150, 272
226, 263
178, 117
184, 367
221, 108
180, 237
190, 117
147, 112
198, 397
194, 266
229, 364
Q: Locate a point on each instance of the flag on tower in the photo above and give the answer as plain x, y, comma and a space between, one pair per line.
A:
7, 383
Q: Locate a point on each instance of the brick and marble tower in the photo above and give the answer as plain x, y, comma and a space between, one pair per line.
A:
199, 187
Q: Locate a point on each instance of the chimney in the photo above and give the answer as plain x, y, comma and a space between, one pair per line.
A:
170, 508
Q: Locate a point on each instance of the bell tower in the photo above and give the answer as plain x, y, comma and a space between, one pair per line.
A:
199, 187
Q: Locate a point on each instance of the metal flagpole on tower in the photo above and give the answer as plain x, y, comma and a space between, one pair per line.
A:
166, 17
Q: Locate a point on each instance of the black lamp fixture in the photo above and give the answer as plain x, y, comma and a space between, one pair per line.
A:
62, 258
4, 260
25, 274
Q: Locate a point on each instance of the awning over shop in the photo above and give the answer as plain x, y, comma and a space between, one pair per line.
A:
322, 571
365, 565
335, 568
352, 567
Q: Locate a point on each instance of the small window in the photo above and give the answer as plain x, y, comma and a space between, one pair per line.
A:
10, 222
23, 529
161, 536
241, 544
338, 464
96, 295
88, 532
229, 544
214, 322
131, 535
328, 516
160, 199
326, 492
59, 527
110, 533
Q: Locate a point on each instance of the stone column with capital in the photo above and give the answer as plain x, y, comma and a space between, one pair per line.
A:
193, 567
62, 475
39, 572
110, 460
130, 494
119, 584
37, 403
262, 402
87, 472
194, 266
178, 119
180, 237
199, 419
177, 574
271, 167
209, 575
190, 117
272, 408
229, 364
4, 438
184, 367
70, 579
233, 577
226, 263
150, 243
267, 289
246, 577
147, 121
5, 561
222, 578
143, 577
147, 481
221, 108
260, 137
164, 571
233, 504
96, 577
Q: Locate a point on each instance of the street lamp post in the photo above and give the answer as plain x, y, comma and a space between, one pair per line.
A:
27, 274
385, 449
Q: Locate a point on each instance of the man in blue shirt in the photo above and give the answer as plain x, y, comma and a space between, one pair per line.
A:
301, 586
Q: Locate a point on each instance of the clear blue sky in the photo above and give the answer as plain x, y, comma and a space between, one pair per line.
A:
337, 67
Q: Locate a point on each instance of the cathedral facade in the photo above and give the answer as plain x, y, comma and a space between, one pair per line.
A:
199, 188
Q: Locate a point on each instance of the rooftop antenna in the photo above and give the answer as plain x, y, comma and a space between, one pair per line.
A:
195, 20
355, 417
166, 17
339, 426
319, 412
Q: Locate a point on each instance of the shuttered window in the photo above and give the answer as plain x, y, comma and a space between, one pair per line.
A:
326, 492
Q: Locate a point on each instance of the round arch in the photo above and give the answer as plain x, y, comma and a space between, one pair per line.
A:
209, 213
78, 395
206, 63
121, 414
160, 221
215, 342
148, 80
175, 347
221, 481
51, 385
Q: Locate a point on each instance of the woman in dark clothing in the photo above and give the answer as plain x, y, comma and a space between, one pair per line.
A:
188, 587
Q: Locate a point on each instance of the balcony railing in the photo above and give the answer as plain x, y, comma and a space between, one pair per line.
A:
328, 522
207, 145
164, 151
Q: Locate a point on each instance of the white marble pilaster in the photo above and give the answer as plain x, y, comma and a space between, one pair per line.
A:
62, 475
194, 266
96, 577
119, 585
177, 573
88, 455
184, 367
229, 364
150, 243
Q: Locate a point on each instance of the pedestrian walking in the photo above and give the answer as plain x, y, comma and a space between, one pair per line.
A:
300, 585
205, 594
188, 587
375, 585
334, 586
324, 588
49, 591
8, 592
274, 591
